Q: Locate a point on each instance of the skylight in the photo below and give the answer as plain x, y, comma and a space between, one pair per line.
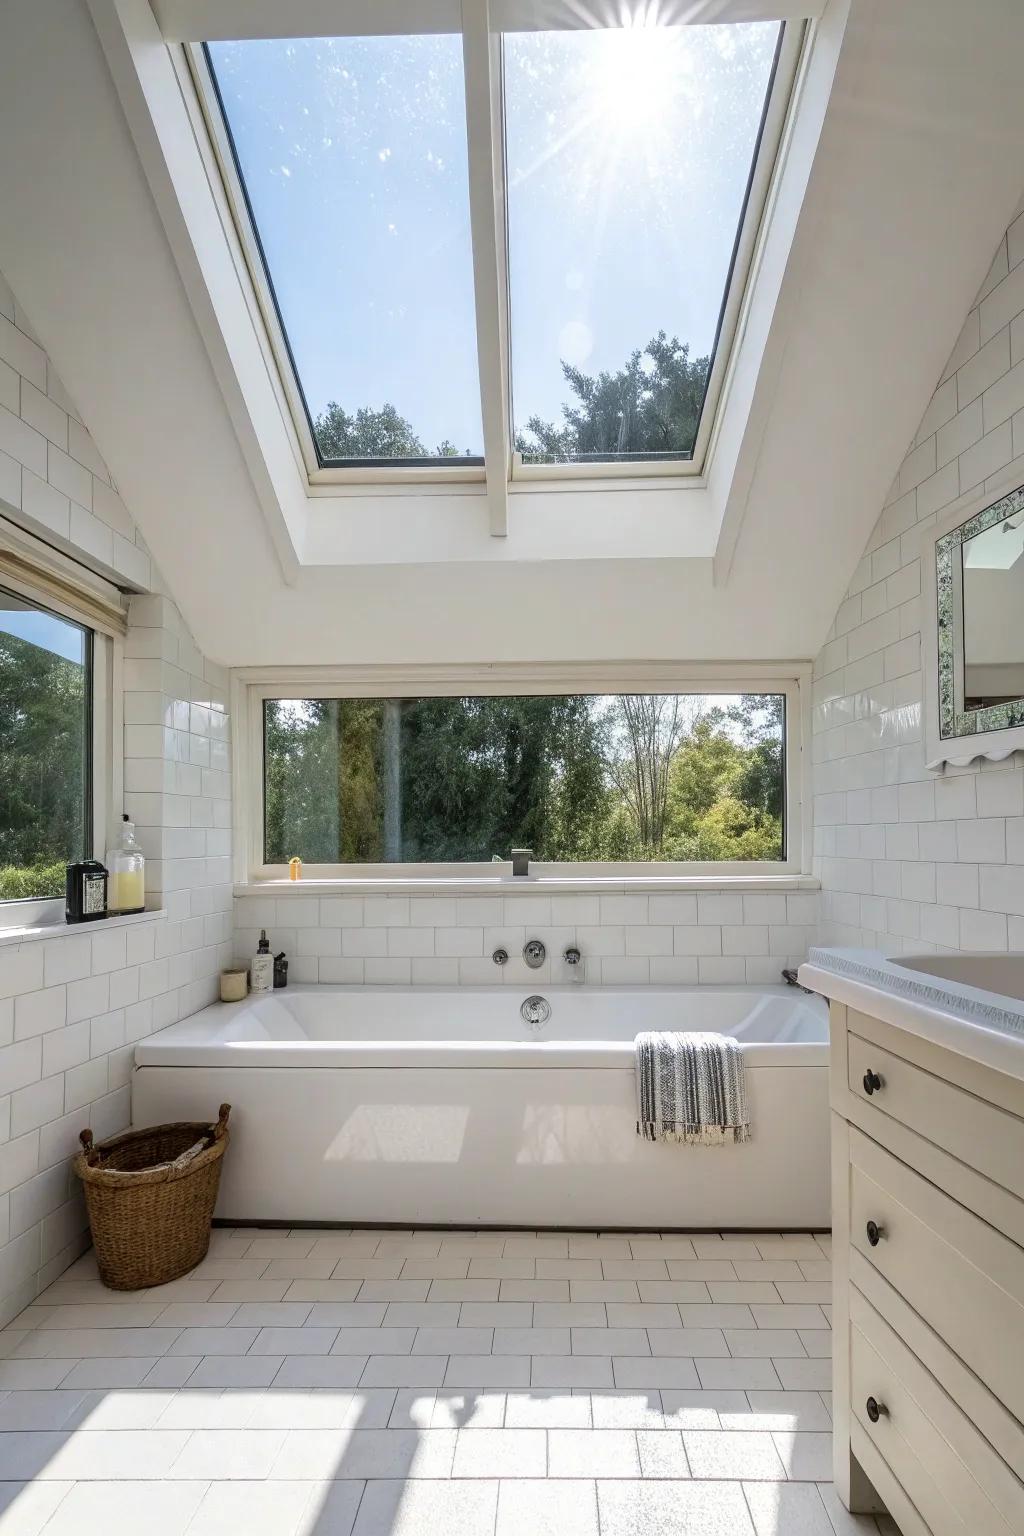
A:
629, 153
352, 154
537, 240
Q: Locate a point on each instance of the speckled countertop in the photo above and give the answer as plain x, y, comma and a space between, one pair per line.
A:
984, 1025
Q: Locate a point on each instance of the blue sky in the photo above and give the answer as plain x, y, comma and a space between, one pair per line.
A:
42, 629
628, 153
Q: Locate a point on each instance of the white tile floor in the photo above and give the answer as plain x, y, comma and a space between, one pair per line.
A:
431, 1384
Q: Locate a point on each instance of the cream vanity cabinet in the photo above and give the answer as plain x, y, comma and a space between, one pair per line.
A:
928, 1263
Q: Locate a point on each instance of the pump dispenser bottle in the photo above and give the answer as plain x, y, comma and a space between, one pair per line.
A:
261, 968
126, 864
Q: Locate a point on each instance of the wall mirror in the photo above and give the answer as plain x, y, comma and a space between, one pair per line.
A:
973, 573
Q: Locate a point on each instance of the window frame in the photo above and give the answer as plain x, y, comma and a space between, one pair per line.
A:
251, 687
501, 469
104, 774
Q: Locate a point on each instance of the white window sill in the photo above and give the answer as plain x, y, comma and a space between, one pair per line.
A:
9, 936
546, 885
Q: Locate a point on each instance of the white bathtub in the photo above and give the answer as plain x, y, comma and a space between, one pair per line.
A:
423, 1106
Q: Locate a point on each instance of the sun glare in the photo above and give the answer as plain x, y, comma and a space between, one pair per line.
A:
633, 76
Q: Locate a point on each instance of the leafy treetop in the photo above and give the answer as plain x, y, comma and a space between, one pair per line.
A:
650, 406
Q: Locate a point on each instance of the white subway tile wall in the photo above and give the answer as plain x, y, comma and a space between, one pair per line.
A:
71, 1007
908, 860
714, 937
51, 476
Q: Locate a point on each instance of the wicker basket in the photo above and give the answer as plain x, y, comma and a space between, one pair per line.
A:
150, 1196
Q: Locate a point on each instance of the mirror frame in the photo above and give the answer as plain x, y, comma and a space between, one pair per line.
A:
954, 735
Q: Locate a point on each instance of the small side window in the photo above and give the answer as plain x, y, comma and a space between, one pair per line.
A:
46, 736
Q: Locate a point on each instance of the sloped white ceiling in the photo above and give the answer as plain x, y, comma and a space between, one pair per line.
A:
916, 174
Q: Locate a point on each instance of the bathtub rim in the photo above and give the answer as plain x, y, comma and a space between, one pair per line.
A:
177, 1046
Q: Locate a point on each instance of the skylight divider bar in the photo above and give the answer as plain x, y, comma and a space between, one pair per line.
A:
481, 51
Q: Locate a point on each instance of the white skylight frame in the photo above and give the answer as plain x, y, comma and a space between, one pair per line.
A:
481, 24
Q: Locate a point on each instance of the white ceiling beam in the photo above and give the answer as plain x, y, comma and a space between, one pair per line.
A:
210, 20
481, 54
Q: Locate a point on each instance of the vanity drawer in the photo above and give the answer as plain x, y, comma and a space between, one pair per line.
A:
947, 1468
989, 1416
886, 1484
982, 1135
965, 1279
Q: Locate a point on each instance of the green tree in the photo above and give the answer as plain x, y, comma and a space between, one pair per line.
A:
642, 734
576, 778
761, 717
650, 406
370, 434
722, 803
732, 830
482, 775
322, 796
365, 434
477, 776
43, 731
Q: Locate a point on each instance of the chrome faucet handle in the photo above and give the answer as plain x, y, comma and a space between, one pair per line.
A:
534, 953
500, 956
572, 955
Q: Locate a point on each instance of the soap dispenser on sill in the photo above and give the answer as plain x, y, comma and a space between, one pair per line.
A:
126, 866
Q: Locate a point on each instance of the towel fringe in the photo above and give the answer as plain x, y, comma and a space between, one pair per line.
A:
693, 1135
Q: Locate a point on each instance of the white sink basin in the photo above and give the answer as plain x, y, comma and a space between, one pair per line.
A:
999, 973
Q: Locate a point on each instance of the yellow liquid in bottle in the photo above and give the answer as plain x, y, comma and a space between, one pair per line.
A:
127, 892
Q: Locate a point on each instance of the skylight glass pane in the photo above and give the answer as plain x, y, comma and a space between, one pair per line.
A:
629, 153
352, 155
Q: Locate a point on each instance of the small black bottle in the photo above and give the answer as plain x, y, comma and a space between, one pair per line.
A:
281, 970
85, 892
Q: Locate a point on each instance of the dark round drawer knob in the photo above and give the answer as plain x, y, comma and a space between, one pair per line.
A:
875, 1233
872, 1081
876, 1410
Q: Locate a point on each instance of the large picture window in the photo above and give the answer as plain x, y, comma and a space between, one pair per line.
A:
45, 748
580, 778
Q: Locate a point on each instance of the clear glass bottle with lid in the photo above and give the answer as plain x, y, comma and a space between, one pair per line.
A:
126, 864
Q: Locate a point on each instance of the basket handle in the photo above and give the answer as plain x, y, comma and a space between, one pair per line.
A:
189, 1156
207, 1140
89, 1147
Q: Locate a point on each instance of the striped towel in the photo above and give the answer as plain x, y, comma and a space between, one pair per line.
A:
689, 1087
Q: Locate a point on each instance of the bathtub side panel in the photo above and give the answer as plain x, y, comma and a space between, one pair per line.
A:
500, 1147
